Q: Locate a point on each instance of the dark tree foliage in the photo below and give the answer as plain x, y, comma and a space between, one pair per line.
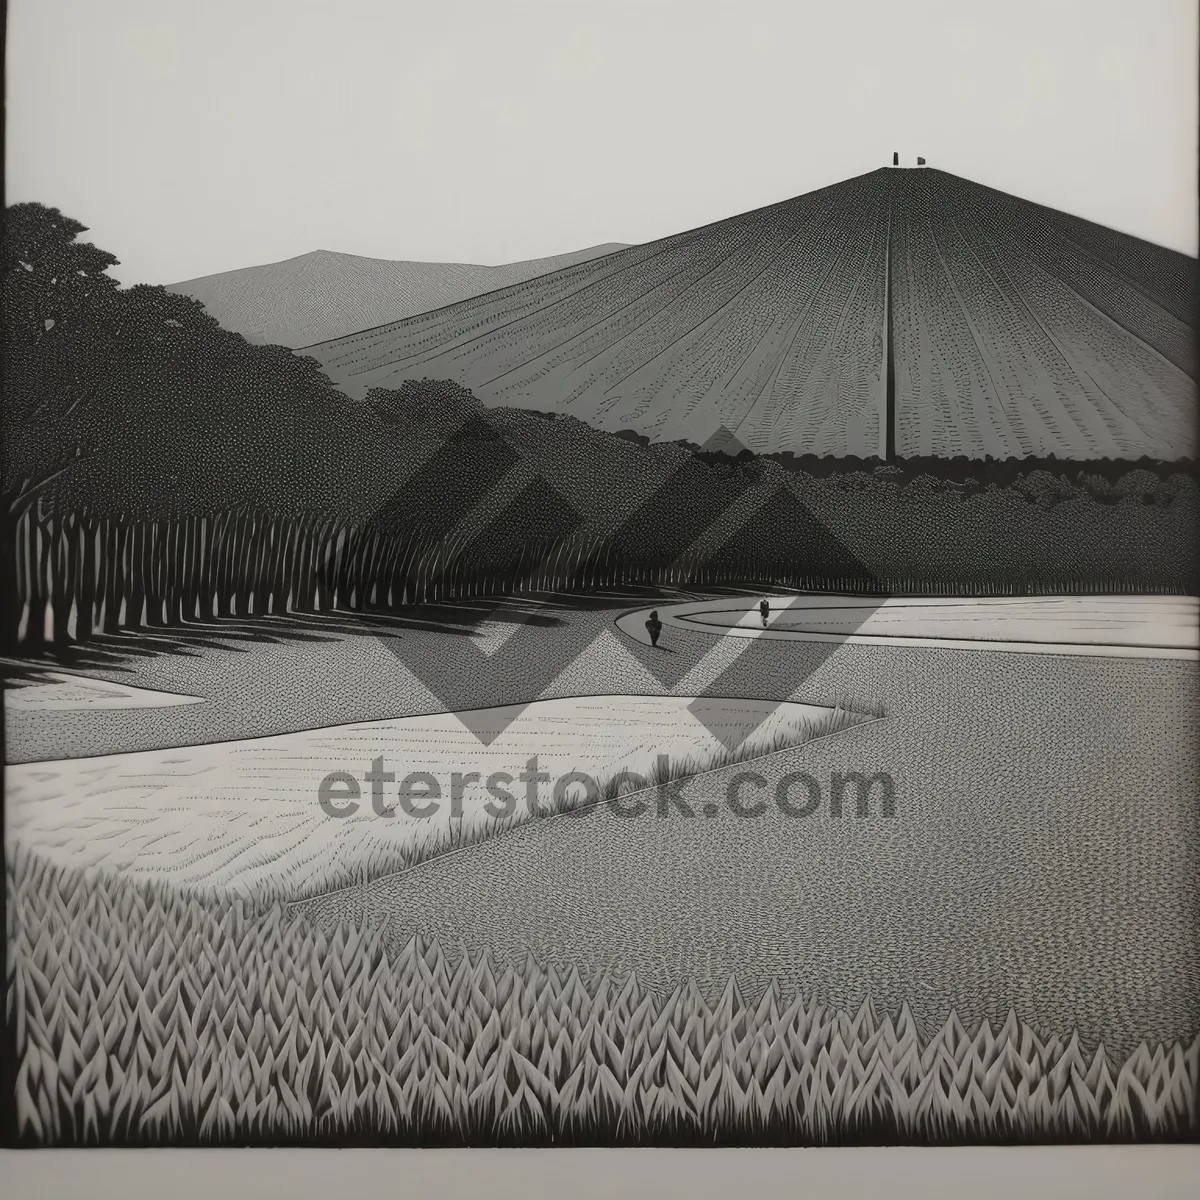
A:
138, 396
61, 322
438, 406
977, 472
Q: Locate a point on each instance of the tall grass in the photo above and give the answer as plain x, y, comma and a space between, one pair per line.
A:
863, 706
139, 1015
76, 574
442, 839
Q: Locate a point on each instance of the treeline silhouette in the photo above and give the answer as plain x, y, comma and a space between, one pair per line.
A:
160, 470
969, 473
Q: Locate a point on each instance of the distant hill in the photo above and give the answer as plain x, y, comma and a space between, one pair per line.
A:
906, 312
322, 295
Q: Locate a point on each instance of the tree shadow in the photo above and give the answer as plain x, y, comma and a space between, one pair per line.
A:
123, 650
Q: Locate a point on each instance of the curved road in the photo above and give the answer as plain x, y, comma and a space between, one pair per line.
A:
1099, 626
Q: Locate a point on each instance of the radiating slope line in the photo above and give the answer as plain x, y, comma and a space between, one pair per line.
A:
841, 237
1136, 337
322, 296
1112, 276
1159, 395
952, 417
1159, 412
607, 317
1033, 256
1113, 269
715, 313
767, 329
1116, 435
789, 342
991, 357
591, 282
1109, 272
929, 410
529, 314
828, 355
750, 400
583, 267
766, 393
1061, 223
1006, 301
970, 324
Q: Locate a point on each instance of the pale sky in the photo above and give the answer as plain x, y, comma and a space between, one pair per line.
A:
196, 136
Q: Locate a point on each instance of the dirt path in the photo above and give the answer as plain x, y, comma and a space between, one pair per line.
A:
1098, 626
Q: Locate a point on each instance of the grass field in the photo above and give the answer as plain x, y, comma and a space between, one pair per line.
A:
1043, 854
1012, 955
246, 816
143, 1016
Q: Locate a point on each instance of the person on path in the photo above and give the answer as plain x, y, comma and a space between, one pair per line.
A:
654, 627
764, 609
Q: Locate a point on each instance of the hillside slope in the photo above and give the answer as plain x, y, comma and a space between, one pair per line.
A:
322, 295
1015, 331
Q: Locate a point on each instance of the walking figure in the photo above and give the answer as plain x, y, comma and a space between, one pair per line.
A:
764, 608
654, 627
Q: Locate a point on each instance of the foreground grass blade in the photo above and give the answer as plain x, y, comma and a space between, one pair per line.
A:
142, 1014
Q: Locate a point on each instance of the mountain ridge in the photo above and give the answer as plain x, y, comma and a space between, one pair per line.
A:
325, 294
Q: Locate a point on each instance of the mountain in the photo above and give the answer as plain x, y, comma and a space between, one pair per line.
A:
322, 295
905, 312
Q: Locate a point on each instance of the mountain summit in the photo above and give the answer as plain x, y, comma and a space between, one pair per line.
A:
900, 313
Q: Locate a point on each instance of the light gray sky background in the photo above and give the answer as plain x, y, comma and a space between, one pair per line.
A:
196, 136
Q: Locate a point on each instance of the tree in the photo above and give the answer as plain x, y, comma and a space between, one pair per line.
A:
135, 398
59, 336
433, 406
